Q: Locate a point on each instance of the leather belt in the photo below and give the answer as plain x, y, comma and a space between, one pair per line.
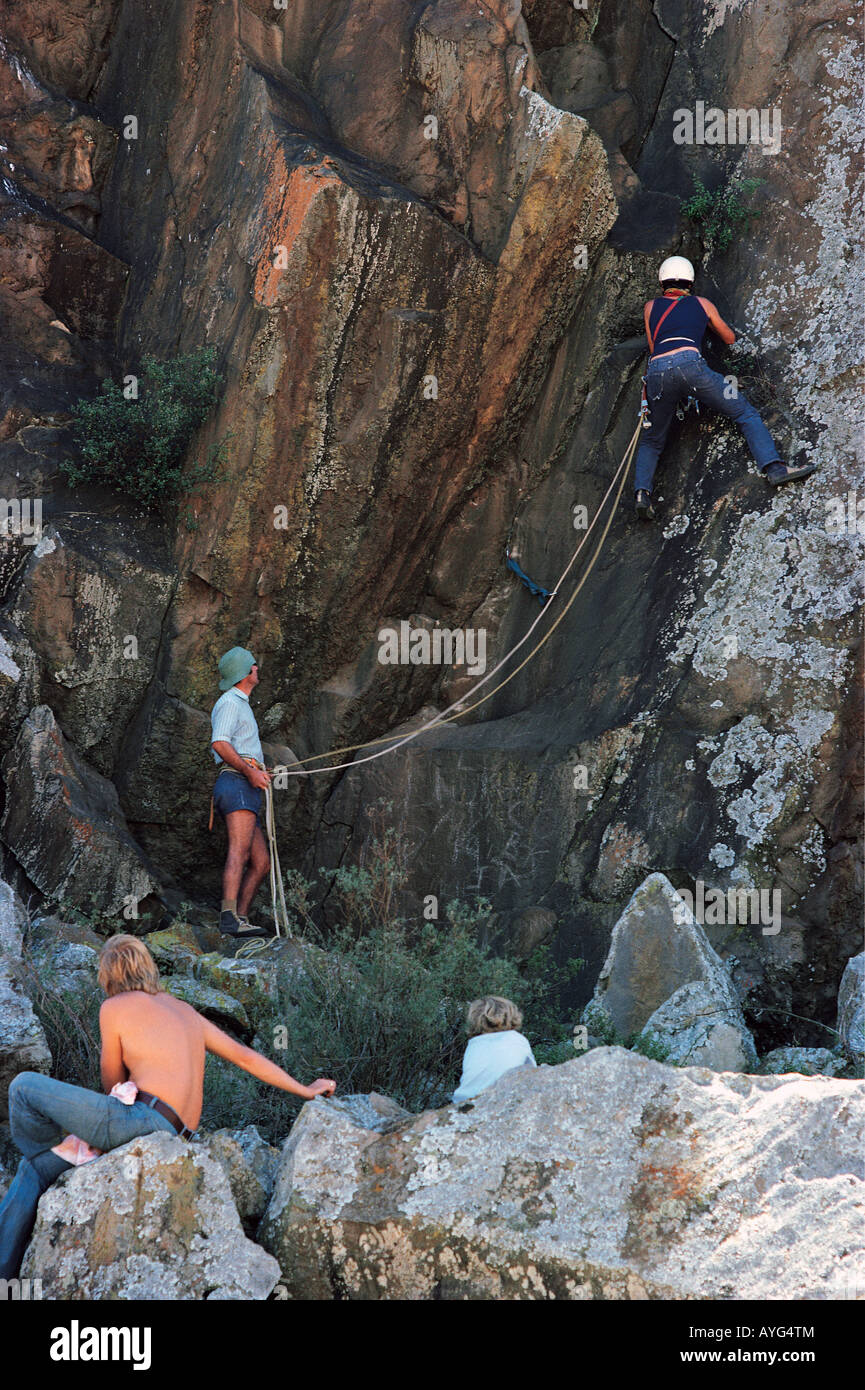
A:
162, 1109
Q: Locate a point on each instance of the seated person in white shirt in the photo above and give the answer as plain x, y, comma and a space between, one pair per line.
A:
495, 1045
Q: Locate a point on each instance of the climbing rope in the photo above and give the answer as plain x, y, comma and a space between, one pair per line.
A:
459, 708
277, 894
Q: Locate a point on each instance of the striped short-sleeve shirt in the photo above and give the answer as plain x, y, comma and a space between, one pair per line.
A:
232, 721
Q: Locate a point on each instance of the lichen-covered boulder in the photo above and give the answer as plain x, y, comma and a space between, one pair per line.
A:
250, 1165
851, 1008
609, 1177
23, 1045
809, 1061
700, 1029
656, 947
154, 1219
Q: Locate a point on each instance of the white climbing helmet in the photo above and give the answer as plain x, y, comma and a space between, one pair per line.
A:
676, 268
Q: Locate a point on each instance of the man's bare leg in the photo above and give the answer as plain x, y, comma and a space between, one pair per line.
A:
258, 867
241, 827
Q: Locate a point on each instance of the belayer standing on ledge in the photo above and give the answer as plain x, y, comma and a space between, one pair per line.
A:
238, 793
675, 325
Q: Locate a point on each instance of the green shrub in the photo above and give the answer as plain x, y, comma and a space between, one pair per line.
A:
138, 446
70, 1018
720, 213
385, 1011
652, 1048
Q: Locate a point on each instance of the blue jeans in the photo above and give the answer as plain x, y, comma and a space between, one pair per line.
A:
41, 1113
668, 380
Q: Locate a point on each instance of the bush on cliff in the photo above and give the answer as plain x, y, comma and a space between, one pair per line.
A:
138, 445
721, 213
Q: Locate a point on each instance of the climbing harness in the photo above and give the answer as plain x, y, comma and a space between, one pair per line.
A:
459, 708
692, 401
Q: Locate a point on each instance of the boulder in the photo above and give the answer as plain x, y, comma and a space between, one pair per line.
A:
250, 1165
808, 1061
656, 947
63, 823
372, 1111
851, 1008
699, 1029
23, 1045
608, 1177
255, 980
152, 1220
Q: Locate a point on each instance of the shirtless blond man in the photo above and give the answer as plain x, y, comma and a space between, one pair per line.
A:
149, 1039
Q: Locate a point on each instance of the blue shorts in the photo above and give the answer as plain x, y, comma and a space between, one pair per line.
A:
232, 792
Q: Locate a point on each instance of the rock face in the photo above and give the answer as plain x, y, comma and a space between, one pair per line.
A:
851, 1008
662, 979
607, 1177
23, 1045
424, 286
64, 824
154, 1219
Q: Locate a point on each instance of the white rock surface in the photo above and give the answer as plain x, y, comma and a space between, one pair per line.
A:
154, 1219
611, 1176
700, 1030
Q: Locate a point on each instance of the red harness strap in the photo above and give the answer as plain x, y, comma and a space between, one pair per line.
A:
654, 337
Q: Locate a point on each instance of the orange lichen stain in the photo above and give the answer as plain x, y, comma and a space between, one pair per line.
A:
286, 202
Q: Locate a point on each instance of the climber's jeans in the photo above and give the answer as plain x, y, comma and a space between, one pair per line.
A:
41, 1112
669, 380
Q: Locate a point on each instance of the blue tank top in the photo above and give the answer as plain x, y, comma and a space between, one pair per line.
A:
684, 326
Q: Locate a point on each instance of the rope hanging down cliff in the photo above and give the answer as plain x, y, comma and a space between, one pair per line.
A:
299, 769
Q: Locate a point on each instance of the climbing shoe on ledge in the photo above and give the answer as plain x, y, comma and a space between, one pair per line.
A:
643, 505
777, 472
231, 925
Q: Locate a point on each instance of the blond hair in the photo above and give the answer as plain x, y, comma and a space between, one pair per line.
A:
492, 1014
125, 963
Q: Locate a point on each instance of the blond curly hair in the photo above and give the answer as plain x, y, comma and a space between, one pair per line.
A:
493, 1014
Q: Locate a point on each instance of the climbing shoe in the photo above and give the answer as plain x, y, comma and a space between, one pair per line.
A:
250, 928
232, 925
643, 505
778, 472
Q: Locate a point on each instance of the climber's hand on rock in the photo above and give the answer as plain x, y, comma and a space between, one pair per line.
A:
322, 1087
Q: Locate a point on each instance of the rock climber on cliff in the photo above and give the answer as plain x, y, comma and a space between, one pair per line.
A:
152, 1064
675, 325
238, 793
